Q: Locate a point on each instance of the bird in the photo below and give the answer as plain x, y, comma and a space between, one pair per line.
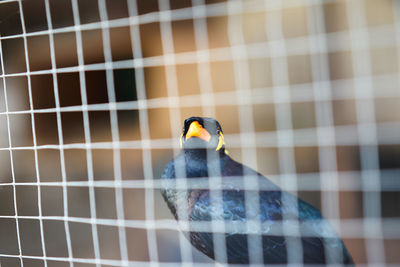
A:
203, 161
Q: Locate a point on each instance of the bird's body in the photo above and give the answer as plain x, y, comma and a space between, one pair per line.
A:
277, 210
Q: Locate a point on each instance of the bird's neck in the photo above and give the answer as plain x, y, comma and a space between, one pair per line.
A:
203, 155
203, 162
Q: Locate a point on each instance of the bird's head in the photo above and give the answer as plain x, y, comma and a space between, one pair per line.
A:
202, 133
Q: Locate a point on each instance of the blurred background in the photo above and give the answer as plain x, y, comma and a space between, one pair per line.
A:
93, 95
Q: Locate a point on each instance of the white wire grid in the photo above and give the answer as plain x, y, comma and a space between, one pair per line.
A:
367, 133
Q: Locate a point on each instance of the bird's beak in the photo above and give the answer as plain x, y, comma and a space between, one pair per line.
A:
196, 130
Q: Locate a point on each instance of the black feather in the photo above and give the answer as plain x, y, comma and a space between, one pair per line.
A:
193, 164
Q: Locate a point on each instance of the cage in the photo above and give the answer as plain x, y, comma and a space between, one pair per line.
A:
93, 94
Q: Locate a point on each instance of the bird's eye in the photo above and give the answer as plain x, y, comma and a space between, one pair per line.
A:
218, 131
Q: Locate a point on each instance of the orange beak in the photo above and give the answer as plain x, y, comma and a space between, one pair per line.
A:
196, 130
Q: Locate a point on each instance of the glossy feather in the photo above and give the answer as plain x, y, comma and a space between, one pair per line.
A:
193, 164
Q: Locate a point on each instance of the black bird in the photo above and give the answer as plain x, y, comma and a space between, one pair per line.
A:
203, 158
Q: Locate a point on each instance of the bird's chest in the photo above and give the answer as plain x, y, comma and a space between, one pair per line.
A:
197, 169
223, 205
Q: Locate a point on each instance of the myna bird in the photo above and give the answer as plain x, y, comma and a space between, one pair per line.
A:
204, 157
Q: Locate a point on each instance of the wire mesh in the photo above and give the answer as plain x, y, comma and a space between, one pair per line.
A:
94, 93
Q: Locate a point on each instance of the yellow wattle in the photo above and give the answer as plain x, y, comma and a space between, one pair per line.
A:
221, 142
